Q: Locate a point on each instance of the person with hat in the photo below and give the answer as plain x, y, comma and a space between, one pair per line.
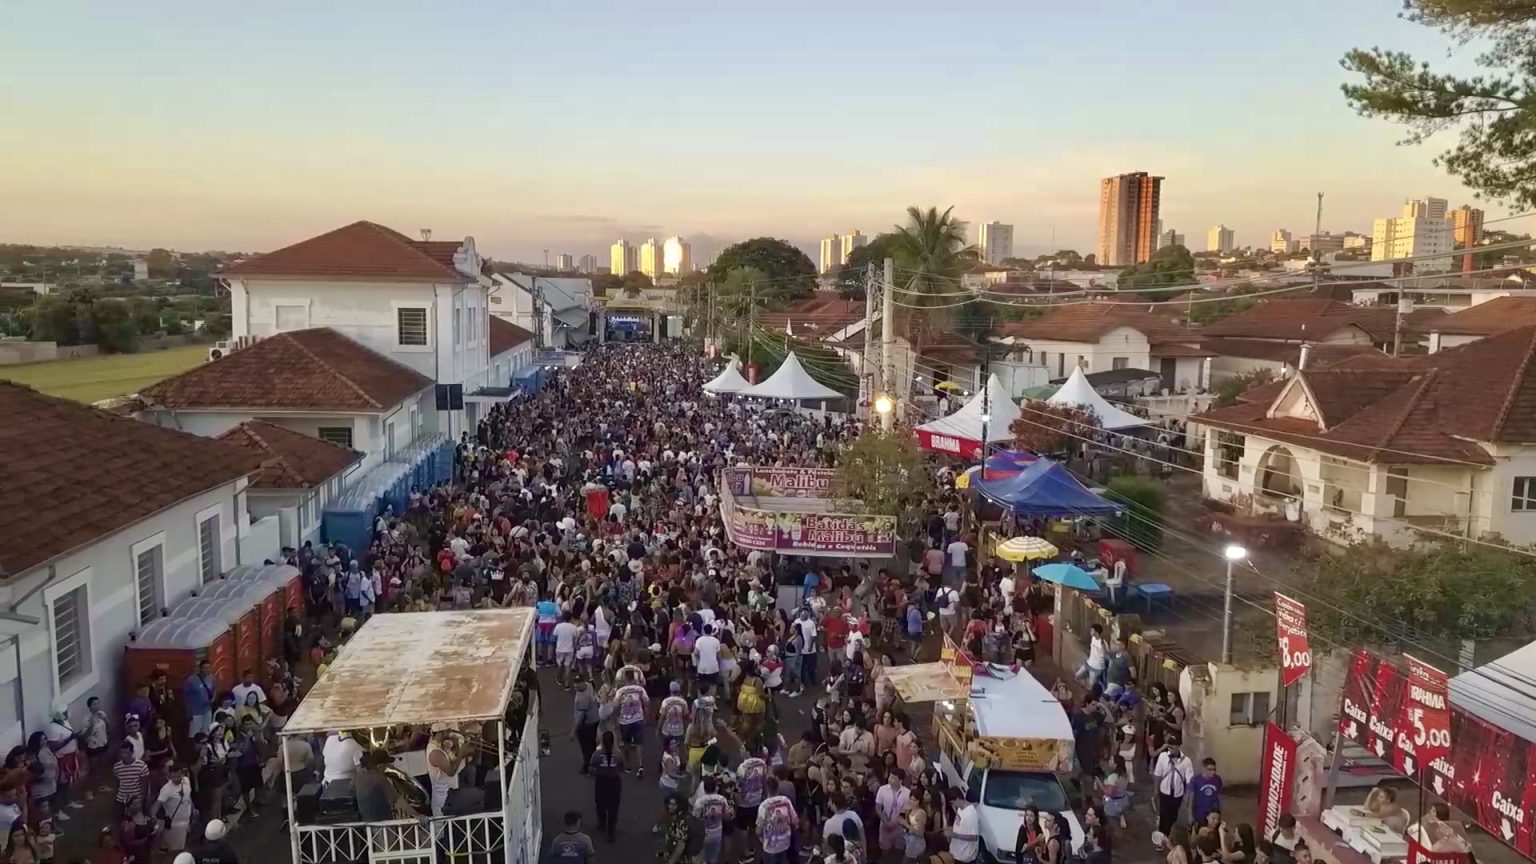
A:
215, 849
444, 760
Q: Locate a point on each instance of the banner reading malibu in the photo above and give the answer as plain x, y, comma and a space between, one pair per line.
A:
1275, 778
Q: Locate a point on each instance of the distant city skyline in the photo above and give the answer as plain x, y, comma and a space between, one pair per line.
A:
99, 153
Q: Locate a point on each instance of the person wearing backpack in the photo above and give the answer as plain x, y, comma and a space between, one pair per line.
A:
948, 601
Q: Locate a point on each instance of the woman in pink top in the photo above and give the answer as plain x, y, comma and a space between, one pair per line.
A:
907, 750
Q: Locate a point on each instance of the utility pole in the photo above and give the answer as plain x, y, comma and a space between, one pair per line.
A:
866, 375
888, 337
751, 318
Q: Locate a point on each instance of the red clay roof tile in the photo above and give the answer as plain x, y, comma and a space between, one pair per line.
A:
1087, 322
290, 460
317, 370
362, 250
505, 335
71, 474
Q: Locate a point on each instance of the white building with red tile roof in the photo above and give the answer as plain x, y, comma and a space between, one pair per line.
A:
421, 303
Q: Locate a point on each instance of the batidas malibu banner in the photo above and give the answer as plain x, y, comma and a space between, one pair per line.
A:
1295, 650
1276, 774
1424, 718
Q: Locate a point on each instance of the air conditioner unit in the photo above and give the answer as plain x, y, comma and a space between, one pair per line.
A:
221, 350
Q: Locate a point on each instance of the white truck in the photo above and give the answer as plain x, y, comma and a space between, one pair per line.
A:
1005, 748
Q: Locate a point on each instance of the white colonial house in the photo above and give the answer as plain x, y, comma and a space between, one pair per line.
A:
104, 521
511, 351
1100, 337
318, 383
1372, 445
421, 303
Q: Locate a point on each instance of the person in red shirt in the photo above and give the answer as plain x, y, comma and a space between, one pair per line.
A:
836, 627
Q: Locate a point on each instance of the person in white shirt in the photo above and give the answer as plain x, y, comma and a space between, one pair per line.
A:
1092, 670
706, 658
1005, 587
1173, 770
341, 757
175, 804
248, 686
964, 830
954, 561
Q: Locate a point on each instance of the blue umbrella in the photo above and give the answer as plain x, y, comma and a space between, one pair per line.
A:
1070, 575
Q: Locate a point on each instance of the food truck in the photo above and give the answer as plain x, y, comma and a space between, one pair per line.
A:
1004, 741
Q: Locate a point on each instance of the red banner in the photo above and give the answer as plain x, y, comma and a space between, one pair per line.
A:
1424, 718
954, 445
1276, 774
1295, 650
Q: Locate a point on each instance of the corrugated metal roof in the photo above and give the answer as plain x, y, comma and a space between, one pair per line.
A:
419, 668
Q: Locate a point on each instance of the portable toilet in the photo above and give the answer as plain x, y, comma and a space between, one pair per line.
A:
178, 645
286, 577
265, 600
239, 622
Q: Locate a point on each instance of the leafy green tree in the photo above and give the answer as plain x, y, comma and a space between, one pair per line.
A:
1436, 591
53, 319
635, 282
886, 471
217, 326
146, 315
778, 261
160, 261
1228, 390
1142, 520
931, 254
172, 324
1047, 428
117, 330
1170, 265
607, 285
1494, 112
850, 280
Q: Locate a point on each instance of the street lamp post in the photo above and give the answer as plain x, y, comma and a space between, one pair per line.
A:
1234, 553
886, 408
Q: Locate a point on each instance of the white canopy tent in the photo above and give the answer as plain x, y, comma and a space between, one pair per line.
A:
729, 380
1079, 393
791, 382
966, 424
1498, 693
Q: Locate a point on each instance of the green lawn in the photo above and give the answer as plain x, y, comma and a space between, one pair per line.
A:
91, 379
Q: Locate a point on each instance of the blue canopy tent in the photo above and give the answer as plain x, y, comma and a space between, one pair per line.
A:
530, 379
1045, 488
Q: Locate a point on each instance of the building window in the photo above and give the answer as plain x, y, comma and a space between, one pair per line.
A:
291, 318
209, 548
389, 440
338, 435
71, 636
1229, 451
1524, 497
458, 327
1120, 363
149, 568
1249, 709
411, 323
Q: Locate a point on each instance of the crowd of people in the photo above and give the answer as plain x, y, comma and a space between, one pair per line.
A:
689, 659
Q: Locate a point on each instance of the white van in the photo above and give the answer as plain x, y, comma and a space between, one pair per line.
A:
1016, 710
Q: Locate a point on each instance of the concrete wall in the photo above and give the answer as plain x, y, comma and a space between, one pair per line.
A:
1234, 746
106, 571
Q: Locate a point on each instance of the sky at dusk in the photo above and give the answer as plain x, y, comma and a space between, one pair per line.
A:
564, 125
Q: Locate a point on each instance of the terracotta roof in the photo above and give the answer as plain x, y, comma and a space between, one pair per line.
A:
71, 474
1421, 409
1175, 349
814, 316
1283, 352
305, 370
290, 460
1087, 322
505, 335
1314, 319
362, 250
1486, 319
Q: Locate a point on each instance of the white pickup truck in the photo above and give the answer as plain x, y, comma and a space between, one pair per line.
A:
1015, 715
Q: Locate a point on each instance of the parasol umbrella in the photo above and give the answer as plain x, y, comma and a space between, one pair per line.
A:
1069, 575
950, 386
1025, 549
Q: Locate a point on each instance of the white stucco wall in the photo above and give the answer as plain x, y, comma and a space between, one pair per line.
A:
1122, 342
368, 430
1442, 341
107, 570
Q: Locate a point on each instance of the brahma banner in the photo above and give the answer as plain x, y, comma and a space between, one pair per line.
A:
1424, 721
1295, 650
1407, 720
954, 445
1276, 774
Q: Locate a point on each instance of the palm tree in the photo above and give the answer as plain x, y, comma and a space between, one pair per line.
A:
931, 254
